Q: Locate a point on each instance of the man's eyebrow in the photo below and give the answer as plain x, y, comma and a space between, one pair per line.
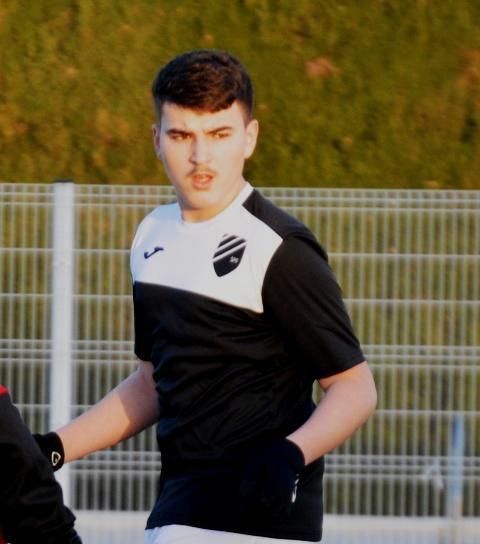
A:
185, 132
178, 131
220, 129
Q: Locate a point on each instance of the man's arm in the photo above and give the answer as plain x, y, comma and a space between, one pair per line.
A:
128, 409
350, 397
271, 478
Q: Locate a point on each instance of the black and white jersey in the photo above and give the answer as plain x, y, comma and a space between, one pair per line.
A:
239, 315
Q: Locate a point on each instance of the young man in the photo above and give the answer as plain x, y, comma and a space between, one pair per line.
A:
31, 502
237, 314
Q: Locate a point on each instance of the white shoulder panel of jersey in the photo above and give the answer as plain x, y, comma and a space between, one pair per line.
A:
223, 259
163, 215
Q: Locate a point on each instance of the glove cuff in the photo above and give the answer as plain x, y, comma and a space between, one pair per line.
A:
52, 447
293, 453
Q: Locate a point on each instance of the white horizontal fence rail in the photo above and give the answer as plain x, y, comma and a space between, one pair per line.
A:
409, 266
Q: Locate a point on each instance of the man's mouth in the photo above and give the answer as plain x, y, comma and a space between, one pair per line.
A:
202, 179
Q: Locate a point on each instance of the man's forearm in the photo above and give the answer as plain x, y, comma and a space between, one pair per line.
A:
349, 399
126, 410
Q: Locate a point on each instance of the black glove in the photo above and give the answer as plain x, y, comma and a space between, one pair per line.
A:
52, 447
270, 479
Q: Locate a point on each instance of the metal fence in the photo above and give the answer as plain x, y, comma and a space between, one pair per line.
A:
409, 265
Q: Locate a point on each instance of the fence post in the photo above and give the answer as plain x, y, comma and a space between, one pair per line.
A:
62, 314
454, 498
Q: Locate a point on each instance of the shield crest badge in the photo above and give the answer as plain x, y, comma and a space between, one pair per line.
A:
228, 254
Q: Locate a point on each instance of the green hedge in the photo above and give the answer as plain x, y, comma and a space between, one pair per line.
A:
354, 93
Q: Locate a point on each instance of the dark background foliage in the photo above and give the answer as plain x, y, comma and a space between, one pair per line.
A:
351, 93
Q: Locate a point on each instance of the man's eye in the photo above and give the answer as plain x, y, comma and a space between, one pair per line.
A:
221, 135
178, 136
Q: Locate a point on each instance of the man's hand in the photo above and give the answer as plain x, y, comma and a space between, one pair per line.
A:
270, 480
52, 447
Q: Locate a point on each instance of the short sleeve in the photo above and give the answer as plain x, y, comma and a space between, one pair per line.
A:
142, 326
304, 300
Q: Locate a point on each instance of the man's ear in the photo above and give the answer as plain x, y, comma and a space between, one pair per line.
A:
156, 139
252, 135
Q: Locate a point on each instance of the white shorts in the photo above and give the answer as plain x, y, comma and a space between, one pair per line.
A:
182, 534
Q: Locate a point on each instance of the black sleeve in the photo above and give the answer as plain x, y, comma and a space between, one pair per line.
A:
142, 328
31, 502
303, 298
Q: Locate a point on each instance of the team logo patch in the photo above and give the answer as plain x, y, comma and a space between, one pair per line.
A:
229, 253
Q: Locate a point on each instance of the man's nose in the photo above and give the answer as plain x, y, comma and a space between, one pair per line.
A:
200, 151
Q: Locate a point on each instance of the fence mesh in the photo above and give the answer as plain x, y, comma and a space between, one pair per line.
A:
409, 266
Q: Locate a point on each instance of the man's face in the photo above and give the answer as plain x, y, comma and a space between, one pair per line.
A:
203, 155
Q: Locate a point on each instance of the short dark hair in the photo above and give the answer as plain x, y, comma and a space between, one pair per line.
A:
206, 80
